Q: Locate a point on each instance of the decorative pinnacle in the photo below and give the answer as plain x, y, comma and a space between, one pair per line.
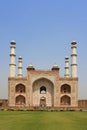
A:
12, 42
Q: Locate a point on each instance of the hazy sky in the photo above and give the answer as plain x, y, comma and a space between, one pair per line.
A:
43, 31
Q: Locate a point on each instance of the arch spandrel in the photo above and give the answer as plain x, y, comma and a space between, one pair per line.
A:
50, 78
43, 81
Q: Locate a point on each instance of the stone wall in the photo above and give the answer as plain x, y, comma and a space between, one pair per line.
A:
52, 81
82, 104
3, 103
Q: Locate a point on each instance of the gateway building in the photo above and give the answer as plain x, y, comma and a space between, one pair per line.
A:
43, 88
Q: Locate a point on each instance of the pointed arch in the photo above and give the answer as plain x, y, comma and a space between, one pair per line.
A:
43, 79
20, 88
43, 87
65, 88
20, 100
65, 100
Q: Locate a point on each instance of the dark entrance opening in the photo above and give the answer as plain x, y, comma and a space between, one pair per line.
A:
43, 102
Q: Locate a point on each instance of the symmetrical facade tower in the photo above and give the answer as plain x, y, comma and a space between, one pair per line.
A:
74, 60
41, 88
12, 59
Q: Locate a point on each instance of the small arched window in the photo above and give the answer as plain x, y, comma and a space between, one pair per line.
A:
20, 100
43, 90
20, 88
65, 100
65, 88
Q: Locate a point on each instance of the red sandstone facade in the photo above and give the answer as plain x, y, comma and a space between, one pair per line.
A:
43, 89
40, 88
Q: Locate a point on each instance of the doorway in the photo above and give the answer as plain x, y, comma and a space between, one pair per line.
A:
43, 102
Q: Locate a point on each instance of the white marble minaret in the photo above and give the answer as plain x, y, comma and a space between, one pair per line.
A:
20, 73
12, 59
66, 67
74, 59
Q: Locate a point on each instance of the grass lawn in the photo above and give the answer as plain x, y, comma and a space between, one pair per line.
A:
40, 120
